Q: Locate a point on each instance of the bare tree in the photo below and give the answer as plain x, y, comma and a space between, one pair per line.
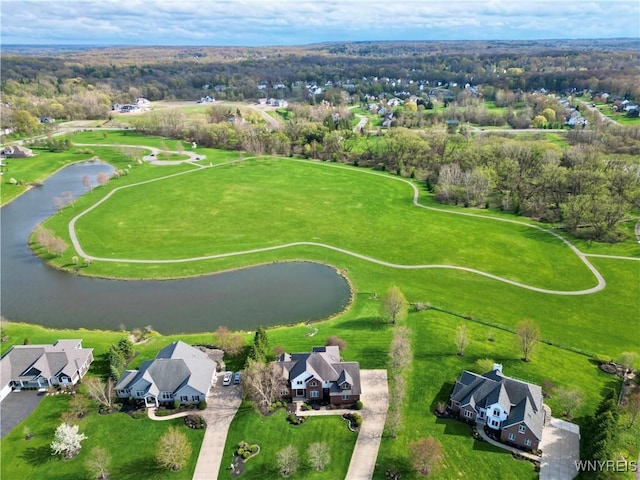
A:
68, 197
173, 450
394, 305
278, 350
319, 455
528, 335
288, 460
58, 203
336, 341
78, 406
59, 246
426, 455
633, 407
98, 463
101, 392
44, 237
400, 351
263, 383
569, 399
86, 182
102, 178
461, 339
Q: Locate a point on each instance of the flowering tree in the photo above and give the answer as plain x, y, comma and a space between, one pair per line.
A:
67, 441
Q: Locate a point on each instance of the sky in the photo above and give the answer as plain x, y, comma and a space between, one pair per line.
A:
299, 22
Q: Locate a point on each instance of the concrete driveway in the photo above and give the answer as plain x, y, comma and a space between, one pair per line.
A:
222, 405
16, 407
560, 447
375, 398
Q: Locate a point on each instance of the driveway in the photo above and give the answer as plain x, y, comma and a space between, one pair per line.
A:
16, 407
560, 447
375, 398
222, 405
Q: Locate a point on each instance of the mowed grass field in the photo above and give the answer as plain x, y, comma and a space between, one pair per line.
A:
270, 202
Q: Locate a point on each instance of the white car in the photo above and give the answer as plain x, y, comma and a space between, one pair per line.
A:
226, 381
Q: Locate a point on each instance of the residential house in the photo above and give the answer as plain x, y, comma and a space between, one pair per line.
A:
320, 376
179, 372
16, 151
39, 366
511, 407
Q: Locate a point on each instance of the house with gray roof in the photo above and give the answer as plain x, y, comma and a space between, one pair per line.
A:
179, 372
511, 407
40, 366
320, 376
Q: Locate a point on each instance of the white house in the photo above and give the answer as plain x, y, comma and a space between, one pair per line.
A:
40, 366
179, 372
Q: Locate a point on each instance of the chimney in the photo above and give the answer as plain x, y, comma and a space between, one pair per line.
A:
497, 367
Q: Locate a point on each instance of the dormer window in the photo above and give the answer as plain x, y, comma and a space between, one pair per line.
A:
345, 386
496, 412
313, 383
522, 429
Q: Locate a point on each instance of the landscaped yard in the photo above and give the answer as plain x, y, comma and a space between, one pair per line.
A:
273, 433
131, 443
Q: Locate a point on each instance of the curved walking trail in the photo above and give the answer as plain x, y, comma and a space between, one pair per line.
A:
601, 283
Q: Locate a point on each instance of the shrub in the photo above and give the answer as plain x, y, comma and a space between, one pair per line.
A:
357, 418
202, 405
246, 454
175, 404
358, 405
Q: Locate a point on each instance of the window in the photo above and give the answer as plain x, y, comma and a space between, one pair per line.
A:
522, 429
512, 436
195, 398
184, 399
313, 383
284, 391
345, 386
495, 423
299, 382
345, 397
496, 412
527, 442
314, 393
468, 413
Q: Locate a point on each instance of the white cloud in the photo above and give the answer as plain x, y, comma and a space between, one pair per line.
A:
255, 22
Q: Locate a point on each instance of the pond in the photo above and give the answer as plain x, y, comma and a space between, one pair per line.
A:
32, 292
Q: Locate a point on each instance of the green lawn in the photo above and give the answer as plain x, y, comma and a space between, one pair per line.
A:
435, 369
273, 433
130, 442
270, 202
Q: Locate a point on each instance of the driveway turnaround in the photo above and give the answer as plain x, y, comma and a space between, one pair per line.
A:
222, 406
16, 407
375, 398
560, 447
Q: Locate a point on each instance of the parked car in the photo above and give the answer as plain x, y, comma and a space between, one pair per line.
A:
226, 381
236, 378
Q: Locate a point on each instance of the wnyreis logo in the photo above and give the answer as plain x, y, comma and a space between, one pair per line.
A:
606, 466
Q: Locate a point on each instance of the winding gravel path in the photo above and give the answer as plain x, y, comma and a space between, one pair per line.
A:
601, 283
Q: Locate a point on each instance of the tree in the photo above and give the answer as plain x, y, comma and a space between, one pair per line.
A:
394, 305
102, 178
126, 348
278, 350
231, 342
569, 399
116, 362
67, 440
98, 463
484, 365
528, 335
461, 339
426, 455
24, 122
262, 383
78, 406
260, 349
633, 407
288, 460
173, 450
337, 342
86, 182
319, 455
101, 392
59, 246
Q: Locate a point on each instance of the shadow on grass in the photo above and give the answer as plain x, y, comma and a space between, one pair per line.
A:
442, 395
36, 456
132, 470
395, 464
453, 426
373, 357
487, 447
100, 365
369, 323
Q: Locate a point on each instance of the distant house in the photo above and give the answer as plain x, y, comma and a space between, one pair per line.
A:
47, 120
179, 372
16, 151
40, 366
206, 99
511, 407
320, 376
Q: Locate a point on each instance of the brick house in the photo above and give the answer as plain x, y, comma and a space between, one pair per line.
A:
513, 408
320, 376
